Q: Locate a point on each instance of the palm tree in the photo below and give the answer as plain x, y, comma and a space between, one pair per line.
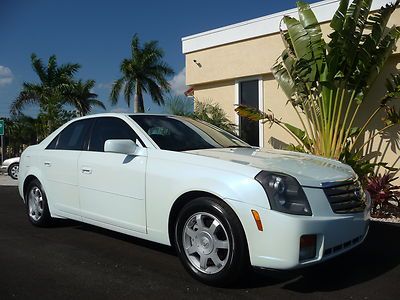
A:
55, 82
145, 72
83, 99
56, 88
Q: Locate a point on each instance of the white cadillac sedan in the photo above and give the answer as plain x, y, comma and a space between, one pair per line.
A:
223, 204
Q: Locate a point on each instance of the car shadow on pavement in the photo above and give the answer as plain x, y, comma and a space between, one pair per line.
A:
127, 238
56, 223
376, 256
113, 234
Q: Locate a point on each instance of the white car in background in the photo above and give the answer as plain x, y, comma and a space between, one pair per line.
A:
223, 204
11, 167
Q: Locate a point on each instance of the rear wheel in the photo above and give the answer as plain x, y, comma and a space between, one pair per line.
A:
36, 204
211, 242
13, 171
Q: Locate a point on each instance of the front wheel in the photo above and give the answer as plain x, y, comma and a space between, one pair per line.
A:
36, 204
13, 171
211, 242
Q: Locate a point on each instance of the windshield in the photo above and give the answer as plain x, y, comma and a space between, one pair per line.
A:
181, 134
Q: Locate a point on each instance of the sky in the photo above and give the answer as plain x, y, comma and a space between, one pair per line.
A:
97, 35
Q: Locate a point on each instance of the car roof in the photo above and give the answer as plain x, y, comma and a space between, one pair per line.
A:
114, 114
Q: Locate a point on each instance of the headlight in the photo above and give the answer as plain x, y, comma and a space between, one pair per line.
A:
284, 193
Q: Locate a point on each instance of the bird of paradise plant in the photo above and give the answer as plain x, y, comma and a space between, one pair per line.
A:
327, 83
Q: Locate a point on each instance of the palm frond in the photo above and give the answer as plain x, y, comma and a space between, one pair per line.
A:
151, 48
38, 67
51, 68
66, 71
135, 45
96, 103
24, 98
115, 90
155, 91
128, 91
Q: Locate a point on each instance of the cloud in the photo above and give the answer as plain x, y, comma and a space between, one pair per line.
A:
6, 76
178, 83
104, 86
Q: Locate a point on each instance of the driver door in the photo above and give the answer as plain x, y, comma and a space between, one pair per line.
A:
112, 185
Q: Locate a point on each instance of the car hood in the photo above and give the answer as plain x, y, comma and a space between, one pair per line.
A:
309, 170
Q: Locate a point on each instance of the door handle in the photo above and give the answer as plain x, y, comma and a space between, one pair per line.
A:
47, 164
86, 170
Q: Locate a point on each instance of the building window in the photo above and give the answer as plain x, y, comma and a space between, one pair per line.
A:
249, 131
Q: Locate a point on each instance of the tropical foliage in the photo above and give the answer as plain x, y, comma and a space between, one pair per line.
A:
83, 99
207, 111
20, 131
145, 72
56, 90
180, 106
384, 194
327, 83
212, 113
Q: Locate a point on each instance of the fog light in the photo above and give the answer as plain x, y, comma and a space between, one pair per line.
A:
308, 247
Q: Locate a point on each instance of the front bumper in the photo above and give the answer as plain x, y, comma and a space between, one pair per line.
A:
3, 169
280, 248
278, 245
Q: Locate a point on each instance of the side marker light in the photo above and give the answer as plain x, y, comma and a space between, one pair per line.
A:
257, 218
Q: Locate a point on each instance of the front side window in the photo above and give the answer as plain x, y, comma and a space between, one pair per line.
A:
110, 128
182, 134
72, 137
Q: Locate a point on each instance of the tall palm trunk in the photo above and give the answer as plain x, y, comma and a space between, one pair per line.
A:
138, 100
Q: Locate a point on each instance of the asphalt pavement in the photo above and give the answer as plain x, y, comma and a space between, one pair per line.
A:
7, 180
78, 261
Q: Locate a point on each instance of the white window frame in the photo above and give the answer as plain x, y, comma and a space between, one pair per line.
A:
260, 103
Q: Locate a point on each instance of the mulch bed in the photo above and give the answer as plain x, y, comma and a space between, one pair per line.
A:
389, 213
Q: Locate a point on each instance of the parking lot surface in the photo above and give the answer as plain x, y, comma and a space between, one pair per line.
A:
7, 180
78, 261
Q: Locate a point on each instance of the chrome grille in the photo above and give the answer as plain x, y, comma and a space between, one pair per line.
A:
346, 197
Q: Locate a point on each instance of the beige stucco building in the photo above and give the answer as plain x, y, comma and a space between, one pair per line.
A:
226, 62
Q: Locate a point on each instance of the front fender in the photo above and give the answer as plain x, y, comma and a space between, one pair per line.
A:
167, 180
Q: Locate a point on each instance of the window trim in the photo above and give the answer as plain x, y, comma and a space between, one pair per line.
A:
56, 142
260, 104
95, 119
85, 139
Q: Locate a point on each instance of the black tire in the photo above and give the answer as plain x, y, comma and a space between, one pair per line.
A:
234, 261
36, 205
13, 171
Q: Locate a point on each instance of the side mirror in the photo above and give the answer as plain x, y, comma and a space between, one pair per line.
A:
127, 147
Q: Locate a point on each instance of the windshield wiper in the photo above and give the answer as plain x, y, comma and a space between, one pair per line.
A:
237, 146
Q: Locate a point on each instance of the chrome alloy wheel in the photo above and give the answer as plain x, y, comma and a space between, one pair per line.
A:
206, 243
35, 204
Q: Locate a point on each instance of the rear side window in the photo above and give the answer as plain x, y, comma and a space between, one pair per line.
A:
110, 128
73, 137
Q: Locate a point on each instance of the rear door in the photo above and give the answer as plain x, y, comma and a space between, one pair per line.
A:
112, 185
60, 164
